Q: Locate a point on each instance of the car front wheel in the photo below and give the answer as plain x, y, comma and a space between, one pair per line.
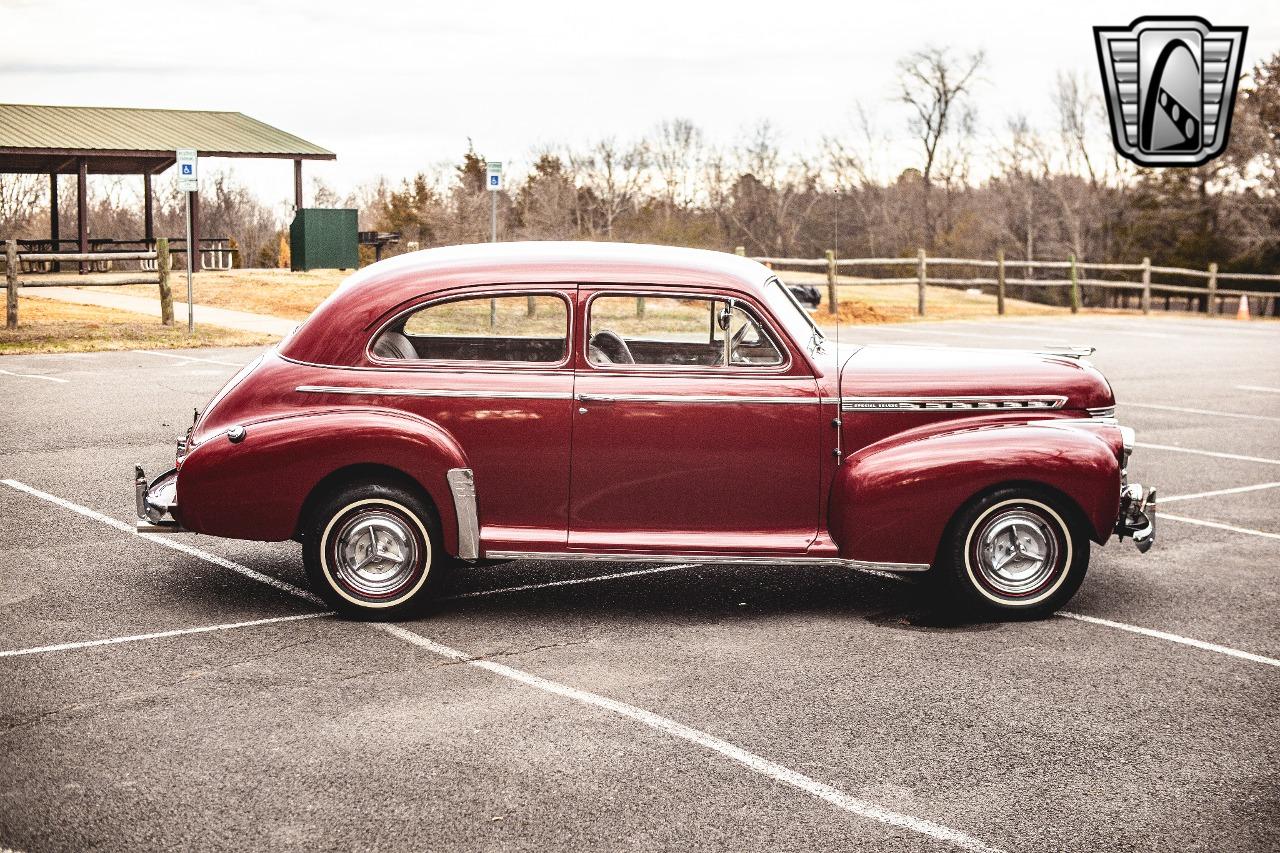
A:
373, 551
1015, 553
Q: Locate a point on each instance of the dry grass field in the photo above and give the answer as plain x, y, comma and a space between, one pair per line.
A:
279, 293
45, 326
293, 295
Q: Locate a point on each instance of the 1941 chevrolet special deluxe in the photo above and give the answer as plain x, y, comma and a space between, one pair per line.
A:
594, 401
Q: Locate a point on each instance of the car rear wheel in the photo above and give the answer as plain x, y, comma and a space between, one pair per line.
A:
373, 551
1015, 553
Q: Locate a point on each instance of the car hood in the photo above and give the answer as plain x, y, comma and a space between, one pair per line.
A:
908, 371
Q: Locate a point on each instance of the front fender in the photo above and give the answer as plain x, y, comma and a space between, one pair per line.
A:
891, 502
255, 489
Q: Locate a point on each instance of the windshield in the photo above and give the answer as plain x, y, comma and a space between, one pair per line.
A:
792, 314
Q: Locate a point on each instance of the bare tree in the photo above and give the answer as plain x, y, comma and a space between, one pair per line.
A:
935, 87
616, 176
677, 147
22, 198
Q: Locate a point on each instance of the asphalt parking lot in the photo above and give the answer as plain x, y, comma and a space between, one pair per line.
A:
160, 698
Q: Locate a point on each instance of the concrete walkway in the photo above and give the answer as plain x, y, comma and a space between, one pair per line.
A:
150, 305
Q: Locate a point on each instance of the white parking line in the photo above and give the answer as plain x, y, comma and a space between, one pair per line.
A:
1212, 412
751, 761
133, 638
190, 358
1215, 454
1217, 525
34, 376
1237, 490
760, 765
1262, 388
161, 539
1173, 638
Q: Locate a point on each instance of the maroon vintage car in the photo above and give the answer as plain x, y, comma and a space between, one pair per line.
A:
593, 401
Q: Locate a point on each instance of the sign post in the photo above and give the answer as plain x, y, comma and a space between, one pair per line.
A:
493, 183
189, 182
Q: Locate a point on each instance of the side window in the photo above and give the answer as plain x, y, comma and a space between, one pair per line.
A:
525, 328
678, 331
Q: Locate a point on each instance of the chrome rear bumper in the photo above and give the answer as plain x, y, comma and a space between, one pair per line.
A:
156, 502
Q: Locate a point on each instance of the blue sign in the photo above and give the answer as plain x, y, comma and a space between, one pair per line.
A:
493, 180
186, 168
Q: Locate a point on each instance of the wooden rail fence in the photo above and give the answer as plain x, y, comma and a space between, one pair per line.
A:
16, 262
1207, 297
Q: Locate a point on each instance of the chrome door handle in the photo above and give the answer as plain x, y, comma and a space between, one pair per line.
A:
592, 398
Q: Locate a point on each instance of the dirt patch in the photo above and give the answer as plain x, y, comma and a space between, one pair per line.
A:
855, 311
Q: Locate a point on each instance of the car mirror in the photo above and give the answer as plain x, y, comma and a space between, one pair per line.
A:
725, 316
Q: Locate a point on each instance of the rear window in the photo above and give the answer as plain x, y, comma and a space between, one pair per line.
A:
530, 328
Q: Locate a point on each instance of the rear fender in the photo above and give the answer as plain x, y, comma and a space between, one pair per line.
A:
256, 488
891, 502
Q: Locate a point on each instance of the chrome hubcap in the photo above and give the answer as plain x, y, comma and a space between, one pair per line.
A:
1017, 552
375, 553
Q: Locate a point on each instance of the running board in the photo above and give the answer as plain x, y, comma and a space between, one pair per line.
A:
707, 559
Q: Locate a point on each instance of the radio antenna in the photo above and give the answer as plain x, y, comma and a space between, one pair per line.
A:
835, 309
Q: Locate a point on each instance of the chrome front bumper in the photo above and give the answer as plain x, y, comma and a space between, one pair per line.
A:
156, 502
1137, 517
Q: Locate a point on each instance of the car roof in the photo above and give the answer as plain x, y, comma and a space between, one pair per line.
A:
336, 332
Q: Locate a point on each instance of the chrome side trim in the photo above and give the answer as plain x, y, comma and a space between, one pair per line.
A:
900, 404
1068, 351
707, 559
694, 398
1102, 412
463, 485
432, 392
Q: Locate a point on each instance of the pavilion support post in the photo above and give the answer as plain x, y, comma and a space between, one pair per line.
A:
82, 209
53, 218
297, 185
11, 284
194, 248
148, 211
166, 291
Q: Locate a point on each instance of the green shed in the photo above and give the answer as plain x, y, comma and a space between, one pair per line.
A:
321, 239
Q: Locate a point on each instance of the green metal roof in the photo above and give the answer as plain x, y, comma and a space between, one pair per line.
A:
29, 130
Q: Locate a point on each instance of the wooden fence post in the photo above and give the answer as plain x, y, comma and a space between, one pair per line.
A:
1211, 306
833, 299
1000, 282
1075, 287
166, 292
11, 283
921, 277
639, 306
1146, 285
531, 309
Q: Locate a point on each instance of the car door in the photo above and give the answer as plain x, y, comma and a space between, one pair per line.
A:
492, 366
676, 448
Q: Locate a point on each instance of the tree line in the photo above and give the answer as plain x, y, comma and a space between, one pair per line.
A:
1036, 192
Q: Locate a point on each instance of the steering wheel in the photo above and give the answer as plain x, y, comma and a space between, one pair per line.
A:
613, 346
733, 344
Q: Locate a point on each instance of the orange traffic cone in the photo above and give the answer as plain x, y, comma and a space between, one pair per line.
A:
1242, 313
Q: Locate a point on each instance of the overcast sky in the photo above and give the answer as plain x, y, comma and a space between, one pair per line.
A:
395, 86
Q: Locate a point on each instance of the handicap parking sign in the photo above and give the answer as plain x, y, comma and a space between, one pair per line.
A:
188, 169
